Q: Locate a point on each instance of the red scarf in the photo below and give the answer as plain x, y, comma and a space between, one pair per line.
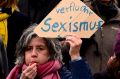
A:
14, 72
48, 70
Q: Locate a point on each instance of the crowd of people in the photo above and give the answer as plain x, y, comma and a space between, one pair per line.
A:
25, 55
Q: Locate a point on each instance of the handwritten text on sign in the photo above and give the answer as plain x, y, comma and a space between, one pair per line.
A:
69, 16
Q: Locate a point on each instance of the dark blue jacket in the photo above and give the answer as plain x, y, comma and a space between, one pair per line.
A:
78, 70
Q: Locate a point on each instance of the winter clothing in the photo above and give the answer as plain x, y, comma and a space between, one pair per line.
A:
3, 24
103, 75
105, 38
16, 23
3, 61
79, 70
37, 10
117, 44
48, 70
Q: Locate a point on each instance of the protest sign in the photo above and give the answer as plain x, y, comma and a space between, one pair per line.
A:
69, 17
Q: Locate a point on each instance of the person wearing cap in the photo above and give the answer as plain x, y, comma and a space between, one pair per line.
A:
113, 65
41, 58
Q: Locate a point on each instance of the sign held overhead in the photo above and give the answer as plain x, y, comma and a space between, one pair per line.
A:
69, 17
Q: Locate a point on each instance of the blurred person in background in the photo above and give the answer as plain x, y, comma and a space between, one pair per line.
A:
103, 8
113, 66
37, 10
3, 61
118, 2
105, 37
12, 23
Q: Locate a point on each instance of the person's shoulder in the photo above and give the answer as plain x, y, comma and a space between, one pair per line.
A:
19, 18
19, 15
65, 73
116, 18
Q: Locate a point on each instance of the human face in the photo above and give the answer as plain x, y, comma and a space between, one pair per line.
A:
36, 51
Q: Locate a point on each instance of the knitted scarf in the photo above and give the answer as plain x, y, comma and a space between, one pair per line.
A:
3, 26
48, 70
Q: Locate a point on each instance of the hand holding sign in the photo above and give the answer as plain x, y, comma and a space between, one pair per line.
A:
69, 17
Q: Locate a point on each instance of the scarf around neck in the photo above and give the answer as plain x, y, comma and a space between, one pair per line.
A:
3, 26
48, 70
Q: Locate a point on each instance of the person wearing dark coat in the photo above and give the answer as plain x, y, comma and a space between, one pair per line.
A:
37, 10
12, 23
118, 2
105, 36
113, 66
17, 22
3, 61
